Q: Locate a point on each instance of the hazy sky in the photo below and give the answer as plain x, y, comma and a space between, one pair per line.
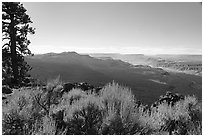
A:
147, 28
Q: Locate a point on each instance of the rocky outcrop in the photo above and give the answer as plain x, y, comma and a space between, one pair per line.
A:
68, 86
170, 98
83, 86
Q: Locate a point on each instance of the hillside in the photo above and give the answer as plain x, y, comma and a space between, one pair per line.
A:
146, 83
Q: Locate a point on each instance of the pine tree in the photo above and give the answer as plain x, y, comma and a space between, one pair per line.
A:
15, 27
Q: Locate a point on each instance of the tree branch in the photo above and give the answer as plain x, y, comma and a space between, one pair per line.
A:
5, 38
5, 22
38, 101
6, 44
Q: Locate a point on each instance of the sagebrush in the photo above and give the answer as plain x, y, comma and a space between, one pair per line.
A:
114, 111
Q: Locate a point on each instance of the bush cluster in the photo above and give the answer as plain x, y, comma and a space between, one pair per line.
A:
114, 111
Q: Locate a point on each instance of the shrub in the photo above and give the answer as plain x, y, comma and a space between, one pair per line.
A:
20, 112
121, 114
46, 127
113, 111
79, 113
181, 118
85, 116
27, 109
53, 92
66, 101
50, 96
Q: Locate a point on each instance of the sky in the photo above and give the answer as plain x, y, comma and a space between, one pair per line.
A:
113, 27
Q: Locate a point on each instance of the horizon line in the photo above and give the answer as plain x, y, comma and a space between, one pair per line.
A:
115, 53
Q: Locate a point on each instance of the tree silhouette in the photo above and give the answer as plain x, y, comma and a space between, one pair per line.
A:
15, 27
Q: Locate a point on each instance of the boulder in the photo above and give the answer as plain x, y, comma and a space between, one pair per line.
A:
85, 86
97, 89
68, 86
170, 98
165, 73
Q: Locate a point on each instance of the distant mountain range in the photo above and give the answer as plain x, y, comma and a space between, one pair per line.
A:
147, 83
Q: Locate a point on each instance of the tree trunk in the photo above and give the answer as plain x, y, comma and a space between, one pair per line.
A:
13, 51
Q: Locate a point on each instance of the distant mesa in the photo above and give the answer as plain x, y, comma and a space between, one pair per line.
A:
62, 53
70, 53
